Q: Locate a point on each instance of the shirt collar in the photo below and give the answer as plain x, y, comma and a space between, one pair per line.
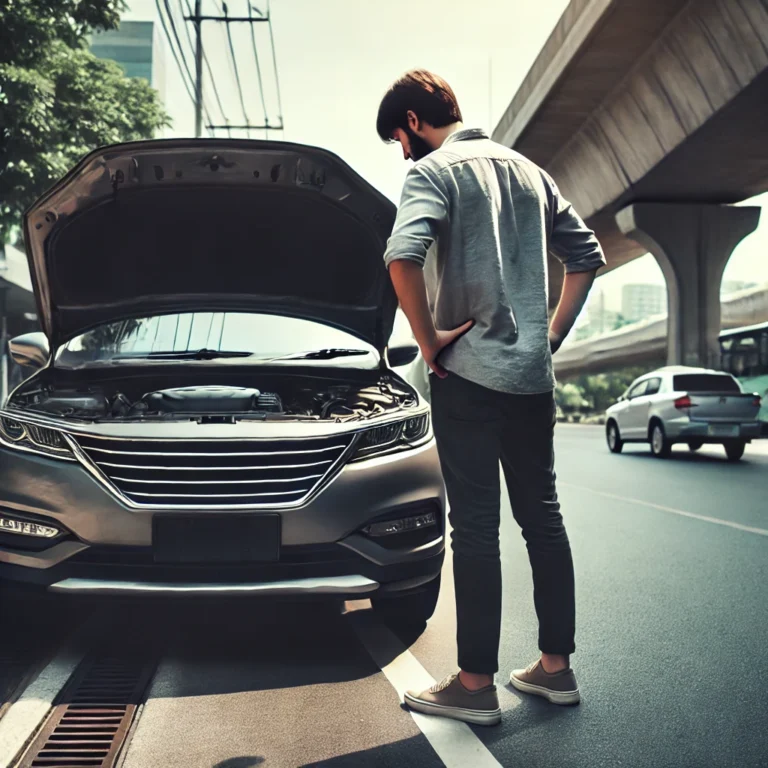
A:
466, 133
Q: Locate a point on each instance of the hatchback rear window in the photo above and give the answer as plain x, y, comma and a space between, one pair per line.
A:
704, 382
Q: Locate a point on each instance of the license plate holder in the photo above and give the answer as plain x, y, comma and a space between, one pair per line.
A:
723, 430
216, 538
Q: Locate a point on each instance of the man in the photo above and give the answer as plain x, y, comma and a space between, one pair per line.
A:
468, 260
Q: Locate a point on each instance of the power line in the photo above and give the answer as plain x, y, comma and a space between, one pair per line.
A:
207, 64
181, 49
274, 62
258, 66
237, 73
173, 50
198, 18
182, 64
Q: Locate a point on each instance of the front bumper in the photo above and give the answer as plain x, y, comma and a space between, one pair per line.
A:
108, 546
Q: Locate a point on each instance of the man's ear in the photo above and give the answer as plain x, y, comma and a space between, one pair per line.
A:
413, 121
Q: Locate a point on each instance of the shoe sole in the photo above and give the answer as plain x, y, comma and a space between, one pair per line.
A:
474, 716
554, 697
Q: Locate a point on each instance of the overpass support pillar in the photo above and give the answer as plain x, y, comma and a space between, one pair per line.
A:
692, 244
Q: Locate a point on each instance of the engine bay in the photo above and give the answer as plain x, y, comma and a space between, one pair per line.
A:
279, 398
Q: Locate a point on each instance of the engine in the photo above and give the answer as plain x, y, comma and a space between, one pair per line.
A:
298, 399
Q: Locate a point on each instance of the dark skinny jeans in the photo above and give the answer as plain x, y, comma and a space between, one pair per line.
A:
476, 428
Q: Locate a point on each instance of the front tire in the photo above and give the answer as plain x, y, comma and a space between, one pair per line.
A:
735, 450
661, 448
613, 437
413, 609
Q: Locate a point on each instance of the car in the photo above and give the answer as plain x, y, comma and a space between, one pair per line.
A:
681, 404
216, 406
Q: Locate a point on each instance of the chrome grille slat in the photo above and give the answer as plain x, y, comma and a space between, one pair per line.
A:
206, 469
190, 473
217, 482
215, 495
223, 453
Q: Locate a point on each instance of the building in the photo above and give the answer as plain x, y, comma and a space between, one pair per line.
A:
642, 300
734, 286
137, 47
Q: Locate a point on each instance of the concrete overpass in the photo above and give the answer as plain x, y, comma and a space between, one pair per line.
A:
645, 343
652, 116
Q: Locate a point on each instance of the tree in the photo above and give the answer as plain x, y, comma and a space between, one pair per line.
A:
570, 398
57, 100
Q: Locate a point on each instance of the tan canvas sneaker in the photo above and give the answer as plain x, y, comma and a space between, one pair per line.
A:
450, 698
558, 687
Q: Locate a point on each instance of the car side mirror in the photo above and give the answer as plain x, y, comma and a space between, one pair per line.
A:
622, 398
402, 354
30, 350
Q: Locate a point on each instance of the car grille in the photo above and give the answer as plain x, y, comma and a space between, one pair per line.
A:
205, 473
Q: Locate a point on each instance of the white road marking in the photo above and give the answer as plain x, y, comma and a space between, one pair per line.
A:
24, 717
454, 742
671, 510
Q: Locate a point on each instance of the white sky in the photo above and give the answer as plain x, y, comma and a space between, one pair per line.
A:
336, 58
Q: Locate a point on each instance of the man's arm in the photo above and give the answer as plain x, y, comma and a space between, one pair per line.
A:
408, 279
423, 208
576, 246
576, 287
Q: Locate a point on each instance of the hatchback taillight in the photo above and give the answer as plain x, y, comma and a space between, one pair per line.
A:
757, 401
684, 402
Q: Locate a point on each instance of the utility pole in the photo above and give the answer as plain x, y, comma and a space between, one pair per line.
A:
198, 72
198, 20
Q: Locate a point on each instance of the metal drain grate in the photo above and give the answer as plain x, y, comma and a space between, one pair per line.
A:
89, 724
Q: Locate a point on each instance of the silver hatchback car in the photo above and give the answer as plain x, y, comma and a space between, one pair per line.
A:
679, 404
215, 407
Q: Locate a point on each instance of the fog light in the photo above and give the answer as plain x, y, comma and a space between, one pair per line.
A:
388, 527
26, 528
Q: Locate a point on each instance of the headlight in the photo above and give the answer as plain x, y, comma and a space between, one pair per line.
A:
33, 438
393, 437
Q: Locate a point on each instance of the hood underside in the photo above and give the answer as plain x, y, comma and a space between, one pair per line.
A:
203, 225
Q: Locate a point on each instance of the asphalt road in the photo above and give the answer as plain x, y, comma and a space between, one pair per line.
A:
672, 620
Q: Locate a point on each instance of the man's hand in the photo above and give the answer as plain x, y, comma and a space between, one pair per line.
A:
438, 343
408, 279
555, 342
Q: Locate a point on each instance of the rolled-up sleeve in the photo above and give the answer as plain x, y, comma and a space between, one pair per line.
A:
423, 209
572, 242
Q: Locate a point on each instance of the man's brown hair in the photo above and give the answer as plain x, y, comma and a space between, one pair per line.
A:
425, 94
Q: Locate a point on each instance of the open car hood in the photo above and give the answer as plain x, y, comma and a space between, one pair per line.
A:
211, 225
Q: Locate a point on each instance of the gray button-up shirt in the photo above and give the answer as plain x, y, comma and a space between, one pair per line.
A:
480, 218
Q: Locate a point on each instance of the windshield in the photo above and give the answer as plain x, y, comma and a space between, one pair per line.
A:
234, 337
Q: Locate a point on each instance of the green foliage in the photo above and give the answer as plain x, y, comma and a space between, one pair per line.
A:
596, 392
57, 100
570, 398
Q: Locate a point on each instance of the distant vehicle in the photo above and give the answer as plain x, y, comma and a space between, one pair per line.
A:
684, 405
745, 355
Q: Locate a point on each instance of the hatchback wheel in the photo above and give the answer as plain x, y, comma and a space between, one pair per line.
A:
734, 449
408, 610
612, 436
660, 446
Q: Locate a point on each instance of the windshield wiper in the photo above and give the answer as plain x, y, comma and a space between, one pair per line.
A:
323, 354
196, 354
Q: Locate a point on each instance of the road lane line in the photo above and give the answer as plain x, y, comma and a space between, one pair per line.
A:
671, 510
454, 742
